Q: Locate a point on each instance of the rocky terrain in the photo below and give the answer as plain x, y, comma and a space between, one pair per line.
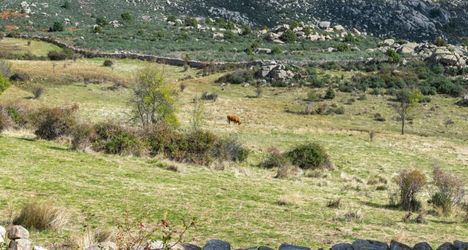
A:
421, 20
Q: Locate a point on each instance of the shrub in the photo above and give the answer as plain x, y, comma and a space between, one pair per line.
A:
114, 139
57, 56
57, 27
379, 117
330, 94
237, 77
4, 83
289, 36
42, 216
309, 156
190, 21
288, 171
393, 56
108, 63
5, 120
195, 147
312, 96
160, 137
410, 182
51, 123
275, 159
81, 136
450, 190
231, 149
440, 42
37, 92
101, 21
66, 5
126, 16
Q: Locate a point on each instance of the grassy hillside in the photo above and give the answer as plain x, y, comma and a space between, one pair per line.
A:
241, 203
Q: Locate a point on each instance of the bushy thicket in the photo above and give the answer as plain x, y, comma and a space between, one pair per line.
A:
238, 77
410, 183
52, 123
450, 190
309, 156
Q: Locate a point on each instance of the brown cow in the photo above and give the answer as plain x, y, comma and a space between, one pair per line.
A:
234, 118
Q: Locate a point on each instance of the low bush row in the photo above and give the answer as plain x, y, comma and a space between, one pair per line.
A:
306, 156
195, 146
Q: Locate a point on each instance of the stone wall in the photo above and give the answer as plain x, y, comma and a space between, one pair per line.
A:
17, 238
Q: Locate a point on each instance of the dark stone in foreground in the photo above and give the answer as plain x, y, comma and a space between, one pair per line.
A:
342, 246
259, 248
217, 245
395, 245
447, 246
460, 245
422, 246
369, 245
188, 246
285, 246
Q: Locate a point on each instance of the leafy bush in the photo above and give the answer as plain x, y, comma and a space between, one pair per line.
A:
312, 96
410, 182
81, 136
309, 156
51, 123
159, 137
126, 16
330, 94
108, 63
192, 22
393, 56
275, 159
114, 139
42, 216
57, 56
101, 21
289, 36
57, 27
450, 190
195, 147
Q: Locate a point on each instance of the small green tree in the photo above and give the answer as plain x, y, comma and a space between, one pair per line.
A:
126, 17
153, 100
407, 101
57, 27
330, 94
289, 36
393, 56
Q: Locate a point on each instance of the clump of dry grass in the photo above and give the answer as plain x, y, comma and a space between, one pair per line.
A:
42, 216
350, 216
91, 238
288, 171
334, 203
290, 200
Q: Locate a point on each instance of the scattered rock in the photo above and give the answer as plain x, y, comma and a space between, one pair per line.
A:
17, 232
285, 246
422, 246
395, 245
447, 246
217, 245
20, 244
388, 42
460, 245
324, 25
369, 245
342, 246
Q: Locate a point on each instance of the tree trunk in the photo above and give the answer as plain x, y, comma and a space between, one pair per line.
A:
403, 124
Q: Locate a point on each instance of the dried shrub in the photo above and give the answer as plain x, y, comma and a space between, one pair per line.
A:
334, 203
410, 182
51, 123
231, 149
238, 77
350, 216
81, 136
20, 115
37, 92
275, 159
5, 120
450, 190
288, 171
309, 156
42, 216
57, 55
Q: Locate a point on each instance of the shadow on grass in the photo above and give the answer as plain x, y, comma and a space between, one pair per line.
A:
377, 205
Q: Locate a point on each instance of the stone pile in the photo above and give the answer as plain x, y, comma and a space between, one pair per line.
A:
18, 237
450, 55
274, 71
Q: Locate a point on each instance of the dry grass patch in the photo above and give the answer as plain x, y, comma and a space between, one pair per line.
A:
42, 216
290, 200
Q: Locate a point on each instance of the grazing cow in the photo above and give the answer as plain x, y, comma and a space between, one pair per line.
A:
234, 118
